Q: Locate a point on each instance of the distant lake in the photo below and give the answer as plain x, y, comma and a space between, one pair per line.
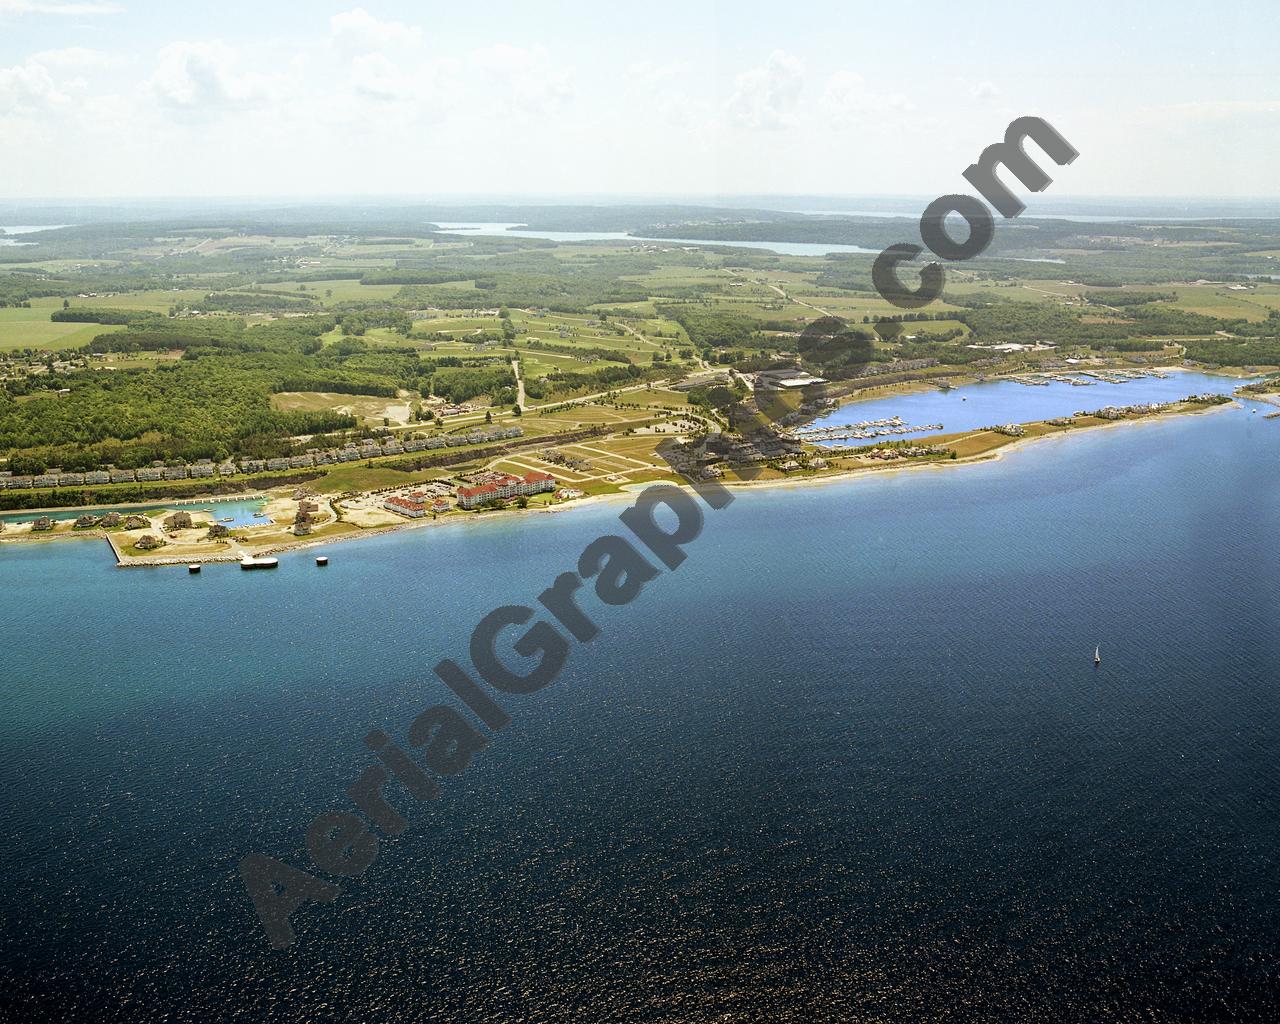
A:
1004, 401
24, 229
502, 230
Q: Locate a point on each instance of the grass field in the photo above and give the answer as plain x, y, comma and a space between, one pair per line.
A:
1211, 300
31, 328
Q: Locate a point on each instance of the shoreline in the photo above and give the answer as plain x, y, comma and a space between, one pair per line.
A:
628, 492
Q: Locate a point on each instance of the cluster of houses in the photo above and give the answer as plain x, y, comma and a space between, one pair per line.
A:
897, 366
352, 451
763, 447
1120, 412
795, 465
558, 458
16, 369
493, 486
909, 451
106, 521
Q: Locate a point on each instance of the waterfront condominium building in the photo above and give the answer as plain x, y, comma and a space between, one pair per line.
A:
504, 485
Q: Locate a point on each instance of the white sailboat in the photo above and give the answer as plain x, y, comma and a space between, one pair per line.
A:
1097, 655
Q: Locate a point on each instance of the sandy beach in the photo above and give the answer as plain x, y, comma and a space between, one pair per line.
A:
625, 493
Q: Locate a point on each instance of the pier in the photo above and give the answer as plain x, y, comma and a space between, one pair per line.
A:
865, 430
1083, 378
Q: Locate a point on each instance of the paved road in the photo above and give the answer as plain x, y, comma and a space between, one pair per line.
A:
800, 302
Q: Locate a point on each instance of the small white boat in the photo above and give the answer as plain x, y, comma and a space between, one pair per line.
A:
1097, 655
193, 568
228, 519
258, 563
259, 515
322, 560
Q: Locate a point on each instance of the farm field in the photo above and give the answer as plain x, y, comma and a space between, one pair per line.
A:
31, 328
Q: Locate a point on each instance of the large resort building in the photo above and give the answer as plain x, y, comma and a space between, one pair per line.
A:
497, 486
412, 505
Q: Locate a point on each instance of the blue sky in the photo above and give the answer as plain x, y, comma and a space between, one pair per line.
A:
133, 98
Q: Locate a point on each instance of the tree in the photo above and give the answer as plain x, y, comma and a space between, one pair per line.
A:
721, 397
516, 411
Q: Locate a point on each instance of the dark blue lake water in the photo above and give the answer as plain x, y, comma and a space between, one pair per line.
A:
851, 761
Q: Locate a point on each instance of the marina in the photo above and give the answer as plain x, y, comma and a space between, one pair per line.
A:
1085, 378
862, 430
1007, 400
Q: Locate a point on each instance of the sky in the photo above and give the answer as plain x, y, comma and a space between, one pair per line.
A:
137, 98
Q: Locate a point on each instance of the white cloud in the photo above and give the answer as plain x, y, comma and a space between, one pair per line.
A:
650, 73
423, 84
205, 77
766, 97
28, 87
985, 91
65, 8
357, 31
54, 80
527, 79
374, 74
848, 99
78, 58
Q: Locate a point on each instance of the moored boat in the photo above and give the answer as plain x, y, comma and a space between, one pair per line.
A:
249, 562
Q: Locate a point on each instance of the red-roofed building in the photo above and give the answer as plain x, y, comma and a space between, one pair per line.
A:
412, 506
508, 487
